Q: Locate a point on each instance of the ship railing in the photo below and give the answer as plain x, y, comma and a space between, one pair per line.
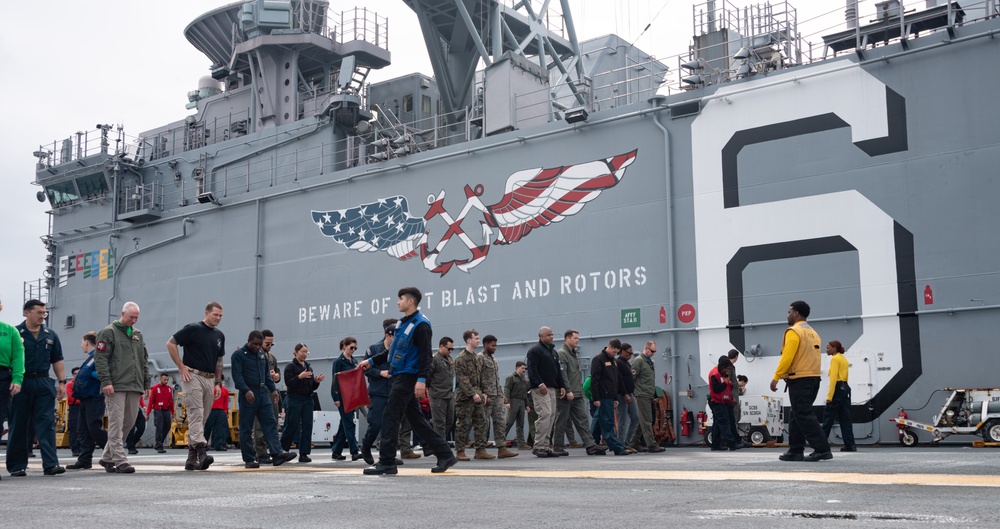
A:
77, 146
627, 85
359, 23
135, 196
37, 289
195, 135
779, 25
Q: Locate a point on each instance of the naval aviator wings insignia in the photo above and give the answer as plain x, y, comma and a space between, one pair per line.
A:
532, 199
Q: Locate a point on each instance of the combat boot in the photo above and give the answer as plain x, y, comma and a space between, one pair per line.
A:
481, 453
204, 460
192, 460
505, 452
460, 455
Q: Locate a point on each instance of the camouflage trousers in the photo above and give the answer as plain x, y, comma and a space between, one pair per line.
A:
469, 415
496, 414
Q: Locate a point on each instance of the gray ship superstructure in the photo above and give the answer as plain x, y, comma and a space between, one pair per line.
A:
570, 183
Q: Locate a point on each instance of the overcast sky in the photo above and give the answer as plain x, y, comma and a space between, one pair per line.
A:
71, 64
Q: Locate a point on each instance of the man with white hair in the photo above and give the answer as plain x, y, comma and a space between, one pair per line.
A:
123, 368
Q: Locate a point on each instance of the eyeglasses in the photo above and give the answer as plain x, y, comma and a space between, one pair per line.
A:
352, 347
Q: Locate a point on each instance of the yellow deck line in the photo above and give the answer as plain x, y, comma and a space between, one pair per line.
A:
944, 480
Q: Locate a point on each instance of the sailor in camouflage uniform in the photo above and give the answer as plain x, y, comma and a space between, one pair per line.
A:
489, 375
469, 400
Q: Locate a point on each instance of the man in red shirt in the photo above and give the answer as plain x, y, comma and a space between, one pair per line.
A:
217, 425
161, 406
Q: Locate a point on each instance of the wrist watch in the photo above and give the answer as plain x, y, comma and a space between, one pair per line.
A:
63, 381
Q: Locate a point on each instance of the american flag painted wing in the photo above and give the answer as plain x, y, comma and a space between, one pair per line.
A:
384, 225
538, 197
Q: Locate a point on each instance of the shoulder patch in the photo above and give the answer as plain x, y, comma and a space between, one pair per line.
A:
102, 346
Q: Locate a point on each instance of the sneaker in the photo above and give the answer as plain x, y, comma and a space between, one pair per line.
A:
444, 464
381, 470
54, 471
305, 459
251, 464
125, 468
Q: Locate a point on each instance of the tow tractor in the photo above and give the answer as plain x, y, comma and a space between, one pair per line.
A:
760, 423
969, 411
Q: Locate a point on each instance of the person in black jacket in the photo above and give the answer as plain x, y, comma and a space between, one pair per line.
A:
379, 383
544, 381
346, 435
301, 384
628, 412
605, 386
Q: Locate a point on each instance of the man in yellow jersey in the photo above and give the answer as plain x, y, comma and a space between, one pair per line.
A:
799, 367
838, 399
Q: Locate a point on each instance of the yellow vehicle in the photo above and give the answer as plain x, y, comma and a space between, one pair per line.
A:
179, 428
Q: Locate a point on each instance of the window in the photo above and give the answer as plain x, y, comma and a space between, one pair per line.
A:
92, 185
62, 194
426, 105
408, 103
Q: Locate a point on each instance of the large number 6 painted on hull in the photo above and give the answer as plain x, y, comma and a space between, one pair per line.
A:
729, 236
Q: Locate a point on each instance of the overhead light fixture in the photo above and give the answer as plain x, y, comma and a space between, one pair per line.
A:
208, 198
743, 54
577, 115
692, 65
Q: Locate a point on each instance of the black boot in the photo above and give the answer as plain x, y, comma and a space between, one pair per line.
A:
204, 460
192, 460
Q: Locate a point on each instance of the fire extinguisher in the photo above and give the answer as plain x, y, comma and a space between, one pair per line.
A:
686, 420
702, 419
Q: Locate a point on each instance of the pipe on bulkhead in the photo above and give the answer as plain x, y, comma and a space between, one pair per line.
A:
658, 101
125, 258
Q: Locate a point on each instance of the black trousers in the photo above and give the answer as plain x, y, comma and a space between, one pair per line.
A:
803, 426
138, 429
162, 420
403, 403
92, 430
723, 416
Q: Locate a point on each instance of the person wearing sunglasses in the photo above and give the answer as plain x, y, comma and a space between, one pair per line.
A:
346, 434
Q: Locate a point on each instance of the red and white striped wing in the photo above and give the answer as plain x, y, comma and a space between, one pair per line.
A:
535, 198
